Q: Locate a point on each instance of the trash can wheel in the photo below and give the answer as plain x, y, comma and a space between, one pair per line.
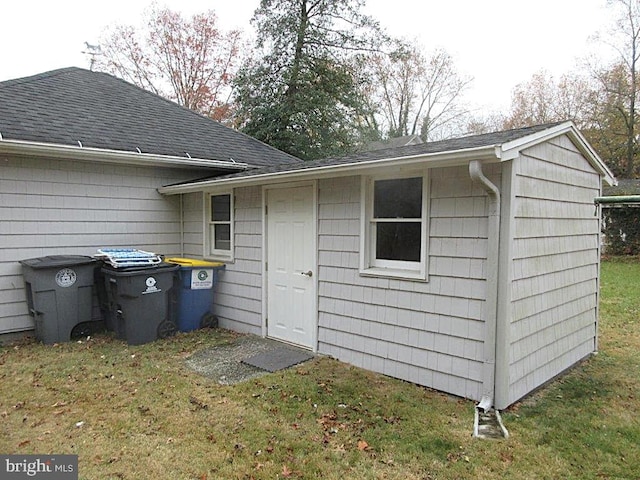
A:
209, 320
167, 329
86, 329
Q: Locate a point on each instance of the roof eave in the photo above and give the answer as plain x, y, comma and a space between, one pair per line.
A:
70, 152
437, 159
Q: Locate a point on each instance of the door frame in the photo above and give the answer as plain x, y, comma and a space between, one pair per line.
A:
314, 260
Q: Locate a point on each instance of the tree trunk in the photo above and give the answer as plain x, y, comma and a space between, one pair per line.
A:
292, 86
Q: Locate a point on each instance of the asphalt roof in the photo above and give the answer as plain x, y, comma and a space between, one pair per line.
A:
451, 145
98, 110
626, 186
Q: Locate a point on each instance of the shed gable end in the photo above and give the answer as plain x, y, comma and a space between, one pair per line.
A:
554, 268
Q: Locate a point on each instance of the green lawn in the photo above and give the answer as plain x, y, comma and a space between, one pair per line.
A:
138, 412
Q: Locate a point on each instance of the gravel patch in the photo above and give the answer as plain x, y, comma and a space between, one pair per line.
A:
224, 363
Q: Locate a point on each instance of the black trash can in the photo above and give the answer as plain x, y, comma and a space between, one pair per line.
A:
141, 302
59, 292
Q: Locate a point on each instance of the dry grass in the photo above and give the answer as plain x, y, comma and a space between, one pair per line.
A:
138, 412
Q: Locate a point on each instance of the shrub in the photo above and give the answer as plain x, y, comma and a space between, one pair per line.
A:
621, 227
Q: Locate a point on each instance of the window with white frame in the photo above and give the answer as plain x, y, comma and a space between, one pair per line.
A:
394, 228
219, 234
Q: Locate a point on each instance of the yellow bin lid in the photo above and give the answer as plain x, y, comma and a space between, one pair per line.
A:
193, 262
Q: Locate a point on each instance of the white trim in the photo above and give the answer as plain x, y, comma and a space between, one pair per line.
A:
80, 153
511, 150
208, 252
389, 268
505, 286
596, 342
439, 159
496, 152
264, 284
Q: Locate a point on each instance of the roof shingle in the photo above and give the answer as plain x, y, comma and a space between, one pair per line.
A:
451, 145
98, 110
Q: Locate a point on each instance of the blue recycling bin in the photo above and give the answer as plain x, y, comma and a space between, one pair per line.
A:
197, 280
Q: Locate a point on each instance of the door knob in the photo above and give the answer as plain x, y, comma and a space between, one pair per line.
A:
308, 274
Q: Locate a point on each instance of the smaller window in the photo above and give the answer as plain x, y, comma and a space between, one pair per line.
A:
220, 226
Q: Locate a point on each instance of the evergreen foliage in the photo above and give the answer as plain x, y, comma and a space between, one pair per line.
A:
304, 94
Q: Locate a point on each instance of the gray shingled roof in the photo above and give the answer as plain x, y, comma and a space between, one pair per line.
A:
394, 142
626, 186
74, 105
451, 145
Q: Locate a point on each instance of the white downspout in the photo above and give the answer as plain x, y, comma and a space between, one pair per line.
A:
493, 242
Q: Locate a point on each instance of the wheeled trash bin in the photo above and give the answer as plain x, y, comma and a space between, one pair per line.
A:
197, 279
141, 302
59, 291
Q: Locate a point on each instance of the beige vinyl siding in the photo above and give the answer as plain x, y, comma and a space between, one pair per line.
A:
238, 296
50, 207
555, 264
430, 333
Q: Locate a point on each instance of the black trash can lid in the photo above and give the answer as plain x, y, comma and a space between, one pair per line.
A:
56, 261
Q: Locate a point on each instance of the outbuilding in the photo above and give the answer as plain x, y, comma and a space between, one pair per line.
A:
468, 265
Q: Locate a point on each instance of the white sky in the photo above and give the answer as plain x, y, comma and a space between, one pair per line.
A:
500, 43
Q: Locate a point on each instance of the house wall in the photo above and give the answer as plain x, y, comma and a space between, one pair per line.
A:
430, 333
555, 264
52, 206
192, 224
238, 293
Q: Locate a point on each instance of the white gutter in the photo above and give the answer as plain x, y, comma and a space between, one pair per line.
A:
80, 153
437, 159
493, 250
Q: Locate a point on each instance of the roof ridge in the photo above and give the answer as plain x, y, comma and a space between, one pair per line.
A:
524, 131
537, 127
39, 76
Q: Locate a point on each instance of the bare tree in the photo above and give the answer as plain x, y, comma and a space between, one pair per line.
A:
190, 61
542, 99
418, 94
619, 81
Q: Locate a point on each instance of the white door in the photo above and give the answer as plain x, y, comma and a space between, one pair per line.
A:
291, 276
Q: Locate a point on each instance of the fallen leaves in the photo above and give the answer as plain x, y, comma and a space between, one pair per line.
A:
362, 445
455, 457
198, 403
329, 422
